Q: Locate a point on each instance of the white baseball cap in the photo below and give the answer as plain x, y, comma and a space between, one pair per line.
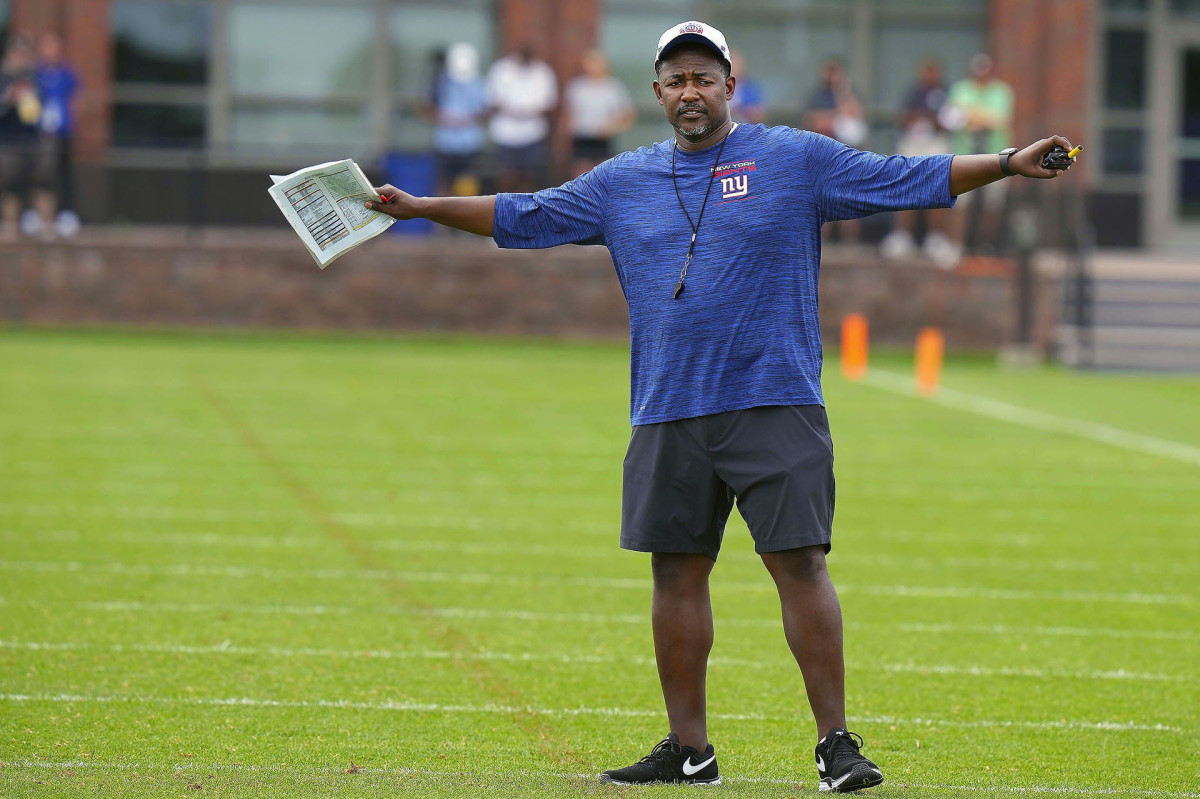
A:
693, 31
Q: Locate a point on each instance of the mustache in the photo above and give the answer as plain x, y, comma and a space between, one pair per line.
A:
685, 108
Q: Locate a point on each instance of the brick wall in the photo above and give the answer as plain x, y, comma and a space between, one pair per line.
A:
1044, 50
563, 32
451, 284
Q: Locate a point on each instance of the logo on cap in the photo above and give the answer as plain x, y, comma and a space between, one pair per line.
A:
691, 27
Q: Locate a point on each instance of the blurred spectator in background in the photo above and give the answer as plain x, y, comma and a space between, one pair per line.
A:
835, 111
427, 106
20, 114
979, 111
923, 135
523, 93
749, 103
457, 106
57, 84
598, 110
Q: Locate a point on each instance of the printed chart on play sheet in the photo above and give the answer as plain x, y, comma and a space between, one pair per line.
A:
344, 185
320, 219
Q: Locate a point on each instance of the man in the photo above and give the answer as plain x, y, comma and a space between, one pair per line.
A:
522, 92
458, 104
57, 83
923, 135
20, 111
834, 110
715, 236
979, 111
598, 110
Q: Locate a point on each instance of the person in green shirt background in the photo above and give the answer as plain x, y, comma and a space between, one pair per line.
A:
979, 111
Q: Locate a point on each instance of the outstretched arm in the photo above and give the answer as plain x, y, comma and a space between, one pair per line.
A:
472, 214
969, 172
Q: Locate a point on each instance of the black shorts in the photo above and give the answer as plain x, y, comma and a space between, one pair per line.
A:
682, 478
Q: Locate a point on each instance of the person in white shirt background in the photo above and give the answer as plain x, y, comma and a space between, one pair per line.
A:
522, 93
598, 110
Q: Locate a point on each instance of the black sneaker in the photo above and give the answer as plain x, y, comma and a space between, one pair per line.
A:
842, 768
670, 761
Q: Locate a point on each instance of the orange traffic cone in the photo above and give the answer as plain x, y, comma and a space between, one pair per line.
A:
931, 348
854, 346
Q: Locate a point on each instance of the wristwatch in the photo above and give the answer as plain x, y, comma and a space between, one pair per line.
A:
1005, 154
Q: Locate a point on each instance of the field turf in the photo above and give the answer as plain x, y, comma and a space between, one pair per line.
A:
379, 566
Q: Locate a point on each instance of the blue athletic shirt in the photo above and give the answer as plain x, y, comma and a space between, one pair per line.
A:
745, 332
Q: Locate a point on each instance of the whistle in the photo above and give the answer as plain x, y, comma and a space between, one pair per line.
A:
1059, 158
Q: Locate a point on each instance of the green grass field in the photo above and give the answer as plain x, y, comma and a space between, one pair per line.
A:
237, 565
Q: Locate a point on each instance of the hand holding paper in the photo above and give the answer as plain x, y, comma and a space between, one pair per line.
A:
325, 205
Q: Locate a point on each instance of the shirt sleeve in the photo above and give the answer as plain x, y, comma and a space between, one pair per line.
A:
851, 184
573, 213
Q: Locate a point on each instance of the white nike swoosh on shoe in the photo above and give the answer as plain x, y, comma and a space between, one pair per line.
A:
689, 769
820, 764
835, 784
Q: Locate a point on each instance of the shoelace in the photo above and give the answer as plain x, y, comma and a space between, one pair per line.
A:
847, 738
659, 752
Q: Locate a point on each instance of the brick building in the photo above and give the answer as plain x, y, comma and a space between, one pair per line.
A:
194, 100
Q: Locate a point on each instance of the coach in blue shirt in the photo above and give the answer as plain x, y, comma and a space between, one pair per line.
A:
715, 235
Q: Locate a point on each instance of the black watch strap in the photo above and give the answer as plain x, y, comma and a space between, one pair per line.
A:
1004, 156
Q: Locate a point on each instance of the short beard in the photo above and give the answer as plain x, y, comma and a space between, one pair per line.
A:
701, 133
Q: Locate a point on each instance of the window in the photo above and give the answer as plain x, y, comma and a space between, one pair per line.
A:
160, 42
1125, 69
1123, 151
160, 72
299, 75
158, 125
299, 50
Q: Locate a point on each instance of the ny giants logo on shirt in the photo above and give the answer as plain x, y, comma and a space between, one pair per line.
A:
735, 179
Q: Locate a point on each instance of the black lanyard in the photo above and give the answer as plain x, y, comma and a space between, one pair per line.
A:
696, 227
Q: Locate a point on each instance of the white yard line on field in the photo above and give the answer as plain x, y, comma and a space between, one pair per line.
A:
1024, 564
1051, 790
193, 765
399, 771
229, 648
617, 583
118, 606
1039, 420
147, 512
433, 707
459, 521
1048, 632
